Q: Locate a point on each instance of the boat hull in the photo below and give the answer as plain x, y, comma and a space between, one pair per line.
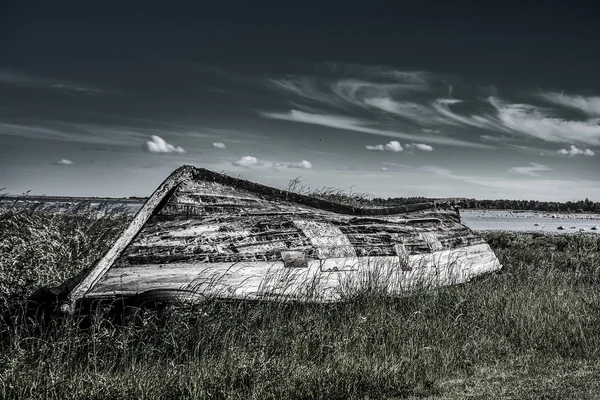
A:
210, 235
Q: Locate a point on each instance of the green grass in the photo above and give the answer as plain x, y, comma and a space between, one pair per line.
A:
532, 331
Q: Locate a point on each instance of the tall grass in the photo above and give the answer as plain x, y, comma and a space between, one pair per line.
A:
532, 331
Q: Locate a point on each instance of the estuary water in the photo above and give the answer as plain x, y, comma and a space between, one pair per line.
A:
530, 221
478, 220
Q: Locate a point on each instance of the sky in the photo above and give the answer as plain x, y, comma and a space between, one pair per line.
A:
390, 99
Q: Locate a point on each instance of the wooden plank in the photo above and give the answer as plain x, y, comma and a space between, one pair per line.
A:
134, 227
331, 276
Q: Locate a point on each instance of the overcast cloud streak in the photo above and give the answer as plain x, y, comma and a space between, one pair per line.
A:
358, 125
21, 79
405, 101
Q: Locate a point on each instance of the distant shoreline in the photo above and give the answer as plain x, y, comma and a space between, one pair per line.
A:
71, 199
538, 214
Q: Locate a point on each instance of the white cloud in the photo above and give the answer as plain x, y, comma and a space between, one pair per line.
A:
534, 121
302, 164
218, 145
420, 146
64, 161
247, 161
531, 170
574, 151
158, 145
385, 169
588, 105
394, 146
250, 161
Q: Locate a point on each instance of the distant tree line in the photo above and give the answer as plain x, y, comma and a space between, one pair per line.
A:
529, 205
533, 205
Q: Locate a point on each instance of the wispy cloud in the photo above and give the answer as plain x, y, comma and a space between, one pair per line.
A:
64, 161
74, 132
522, 187
589, 105
219, 145
422, 114
159, 145
574, 151
388, 102
532, 169
359, 125
482, 120
305, 88
534, 121
26, 80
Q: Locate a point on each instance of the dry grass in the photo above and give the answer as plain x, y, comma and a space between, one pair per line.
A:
532, 331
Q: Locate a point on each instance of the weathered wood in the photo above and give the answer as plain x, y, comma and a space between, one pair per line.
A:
267, 279
216, 235
141, 217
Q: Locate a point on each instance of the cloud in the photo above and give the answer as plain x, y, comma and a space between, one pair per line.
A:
247, 162
422, 114
64, 161
394, 146
305, 88
391, 91
574, 151
250, 161
158, 145
483, 120
302, 164
360, 125
74, 132
388, 102
420, 146
531, 170
377, 147
26, 80
541, 188
588, 105
218, 145
535, 121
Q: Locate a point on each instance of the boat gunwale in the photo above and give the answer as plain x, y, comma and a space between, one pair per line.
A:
272, 193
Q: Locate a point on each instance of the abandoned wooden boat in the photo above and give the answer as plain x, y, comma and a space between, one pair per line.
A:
207, 234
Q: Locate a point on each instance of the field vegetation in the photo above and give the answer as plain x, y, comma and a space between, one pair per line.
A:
530, 331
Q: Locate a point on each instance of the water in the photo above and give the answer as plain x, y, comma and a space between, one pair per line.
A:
88, 207
478, 220
529, 221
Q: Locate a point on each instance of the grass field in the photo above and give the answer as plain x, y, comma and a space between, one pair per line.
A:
531, 331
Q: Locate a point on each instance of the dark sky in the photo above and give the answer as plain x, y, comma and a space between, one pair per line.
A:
475, 99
